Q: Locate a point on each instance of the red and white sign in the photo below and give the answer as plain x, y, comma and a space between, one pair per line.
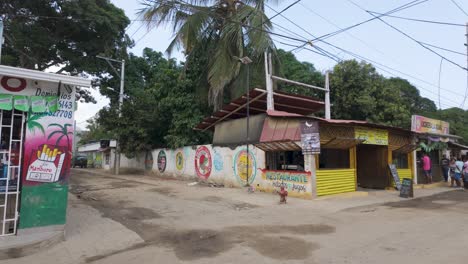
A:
13, 84
203, 162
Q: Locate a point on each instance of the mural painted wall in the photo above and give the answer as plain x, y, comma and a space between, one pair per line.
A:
297, 184
47, 159
232, 168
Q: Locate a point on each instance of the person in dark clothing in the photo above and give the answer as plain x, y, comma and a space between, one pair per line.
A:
445, 167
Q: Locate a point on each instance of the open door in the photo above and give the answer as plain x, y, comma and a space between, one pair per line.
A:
372, 166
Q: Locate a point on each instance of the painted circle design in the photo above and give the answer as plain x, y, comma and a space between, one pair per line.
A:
240, 166
218, 161
162, 161
179, 161
149, 161
18, 88
203, 162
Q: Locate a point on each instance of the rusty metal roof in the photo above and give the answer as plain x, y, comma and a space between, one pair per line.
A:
285, 103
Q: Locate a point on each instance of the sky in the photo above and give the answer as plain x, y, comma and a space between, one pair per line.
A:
390, 51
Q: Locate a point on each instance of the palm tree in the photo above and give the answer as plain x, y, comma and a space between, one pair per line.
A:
63, 132
220, 31
33, 122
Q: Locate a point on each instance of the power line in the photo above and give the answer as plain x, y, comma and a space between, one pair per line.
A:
340, 28
449, 50
418, 20
286, 8
405, 6
407, 35
422, 45
459, 7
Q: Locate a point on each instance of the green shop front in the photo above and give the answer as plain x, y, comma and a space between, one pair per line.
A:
36, 133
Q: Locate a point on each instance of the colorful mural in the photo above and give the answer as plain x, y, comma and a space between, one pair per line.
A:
242, 160
149, 161
203, 162
179, 161
218, 161
298, 184
162, 161
47, 159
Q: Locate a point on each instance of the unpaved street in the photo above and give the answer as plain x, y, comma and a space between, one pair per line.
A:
140, 219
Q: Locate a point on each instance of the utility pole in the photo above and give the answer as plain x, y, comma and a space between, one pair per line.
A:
466, 44
1, 37
121, 96
247, 61
327, 96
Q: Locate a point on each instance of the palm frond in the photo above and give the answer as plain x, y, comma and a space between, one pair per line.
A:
53, 133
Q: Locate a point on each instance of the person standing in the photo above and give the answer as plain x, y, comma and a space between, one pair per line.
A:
426, 162
458, 172
445, 167
465, 173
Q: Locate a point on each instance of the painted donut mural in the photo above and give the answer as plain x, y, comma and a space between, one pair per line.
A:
203, 162
245, 164
162, 161
179, 161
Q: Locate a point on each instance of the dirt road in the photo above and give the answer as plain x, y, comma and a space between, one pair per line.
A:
143, 220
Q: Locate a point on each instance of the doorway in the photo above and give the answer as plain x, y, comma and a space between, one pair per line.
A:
11, 156
372, 166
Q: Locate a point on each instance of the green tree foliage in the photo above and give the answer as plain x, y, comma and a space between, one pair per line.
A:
222, 31
65, 35
161, 108
94, 131
293, 69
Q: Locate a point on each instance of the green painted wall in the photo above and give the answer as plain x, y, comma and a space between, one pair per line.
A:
44, 204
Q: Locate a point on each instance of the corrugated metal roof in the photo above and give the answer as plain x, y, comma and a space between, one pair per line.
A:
276, 129
285, 105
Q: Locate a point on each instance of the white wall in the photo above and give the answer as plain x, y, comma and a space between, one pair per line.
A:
225, 166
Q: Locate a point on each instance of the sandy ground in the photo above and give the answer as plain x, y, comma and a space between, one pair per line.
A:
140, 219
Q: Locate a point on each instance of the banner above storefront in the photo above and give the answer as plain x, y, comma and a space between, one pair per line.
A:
371, 136
423, 124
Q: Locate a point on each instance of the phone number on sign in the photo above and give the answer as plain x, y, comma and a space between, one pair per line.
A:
62, 113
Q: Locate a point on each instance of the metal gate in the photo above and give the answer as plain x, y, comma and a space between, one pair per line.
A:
11, 155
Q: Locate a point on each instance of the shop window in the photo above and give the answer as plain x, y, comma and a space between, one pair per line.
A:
334, 159
400, 160
287, 160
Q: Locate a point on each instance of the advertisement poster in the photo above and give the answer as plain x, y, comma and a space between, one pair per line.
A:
423, 124
371, 136
310, 137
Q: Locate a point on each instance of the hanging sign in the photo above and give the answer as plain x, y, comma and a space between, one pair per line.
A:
21, 103
38, 104
371, 136
423, 124
6, 102
310, 137
52, 103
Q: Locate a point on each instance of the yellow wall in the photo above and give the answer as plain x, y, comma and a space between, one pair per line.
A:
335, 181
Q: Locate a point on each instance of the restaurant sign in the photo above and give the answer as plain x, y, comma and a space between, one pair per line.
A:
371, 136
423, 124
310, 137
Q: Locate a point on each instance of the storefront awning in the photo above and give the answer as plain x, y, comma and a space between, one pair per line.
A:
44, 76
279, 146
457, 146
342, 143
407, 148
